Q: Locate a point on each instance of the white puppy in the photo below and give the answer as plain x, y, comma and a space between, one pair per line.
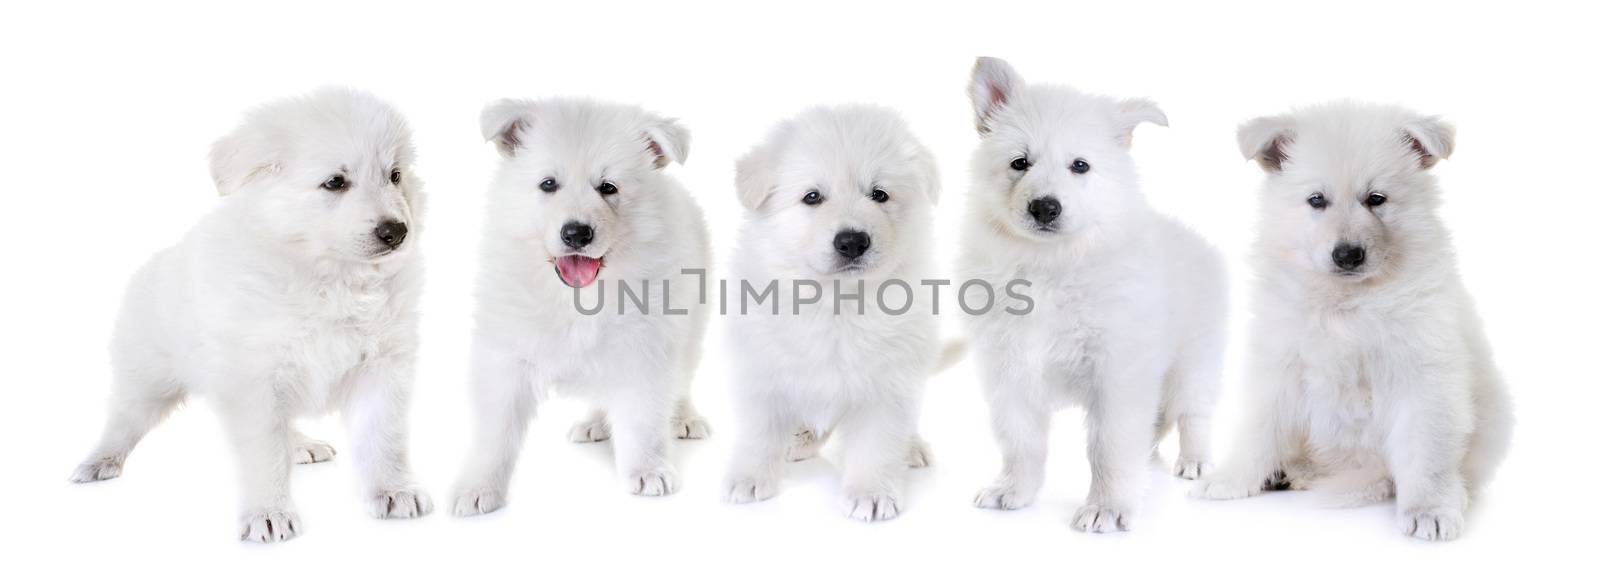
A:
1130, 306
838, 202
581, 187
296, 296
1370, 375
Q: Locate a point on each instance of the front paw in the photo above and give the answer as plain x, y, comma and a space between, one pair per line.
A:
691, 428
1435, 524
406, 503
872, 506
1191, 468
99, 469
270, 526
1004, 496
654, 482
478, 501
749, 490
1102, 518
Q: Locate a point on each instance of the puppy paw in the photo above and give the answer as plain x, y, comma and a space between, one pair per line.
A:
654, 482
404, 503
477, 501
872, 506
1190, 468
1003, 496
1102, 518
270, 526
691, 428
1223, 490
98, 469
919, 457
1435, 524
594, 429
805, 445
749, 490
312, 451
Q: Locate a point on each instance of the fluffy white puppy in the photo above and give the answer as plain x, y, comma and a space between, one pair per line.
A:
581, 188
838, 202
296, 296
1129, 312
1370, 376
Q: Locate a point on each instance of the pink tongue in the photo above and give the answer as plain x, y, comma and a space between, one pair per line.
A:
577, 271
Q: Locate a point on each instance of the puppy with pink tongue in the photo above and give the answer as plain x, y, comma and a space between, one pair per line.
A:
582, 186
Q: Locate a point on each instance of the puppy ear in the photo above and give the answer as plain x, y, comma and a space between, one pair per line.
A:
927, 172
1132, 112
755, 175
504, 121
237, 158
668, 140
1431, 138
1264, 140
994, 83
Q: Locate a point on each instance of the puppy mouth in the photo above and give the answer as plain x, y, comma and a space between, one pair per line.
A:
577, 271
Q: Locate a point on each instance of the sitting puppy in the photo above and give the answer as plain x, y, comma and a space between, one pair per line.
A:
581, 205
1129, 317
296, 296
838, 202
1370, 376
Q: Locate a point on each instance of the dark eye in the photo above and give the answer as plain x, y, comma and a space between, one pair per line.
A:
1375, 199
1020, 163
812, 198
606, 188
394, 176
1080, 166
335, 183
549, 185
879, 195
1317, 201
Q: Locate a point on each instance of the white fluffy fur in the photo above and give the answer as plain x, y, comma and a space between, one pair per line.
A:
1379, 382
806, 371
282, 303
1130, 308
530, 338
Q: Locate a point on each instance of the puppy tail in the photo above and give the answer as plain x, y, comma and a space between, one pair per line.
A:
1353, 488
952, 352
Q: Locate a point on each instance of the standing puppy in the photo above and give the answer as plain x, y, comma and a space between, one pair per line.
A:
1370, 375
838, 203
580, 206
296, 296
1129, 314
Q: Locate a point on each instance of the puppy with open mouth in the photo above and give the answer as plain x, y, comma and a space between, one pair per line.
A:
296, 296
1370, 376
838, 201
1131, 306
581, 210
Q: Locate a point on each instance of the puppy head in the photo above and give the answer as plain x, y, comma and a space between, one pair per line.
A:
579, 179
1052, 163
1348, 193
328, 175
839, 190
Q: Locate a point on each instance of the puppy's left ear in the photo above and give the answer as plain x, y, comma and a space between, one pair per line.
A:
1132, 112
994, 84
1431, 138
503, 122
927, 172
667, 140
237, 158
755, 175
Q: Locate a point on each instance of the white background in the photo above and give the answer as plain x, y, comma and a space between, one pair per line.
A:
107, 113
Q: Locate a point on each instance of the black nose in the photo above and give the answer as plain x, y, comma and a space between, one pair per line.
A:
576, 235
1348, 256
1044, 210
391, 233
852, 244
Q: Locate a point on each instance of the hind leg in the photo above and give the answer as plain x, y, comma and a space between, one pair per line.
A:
687, 423
592, 428
1193, 387
135, 409
308, 450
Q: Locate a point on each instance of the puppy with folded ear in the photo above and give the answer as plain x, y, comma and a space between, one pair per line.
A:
1370, 375
838, 208
581, 204
296, 296
1129, 311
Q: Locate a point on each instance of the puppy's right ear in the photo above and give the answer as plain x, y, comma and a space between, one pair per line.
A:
994, 84
755, 176
504, 121
1265, 139
237, 158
